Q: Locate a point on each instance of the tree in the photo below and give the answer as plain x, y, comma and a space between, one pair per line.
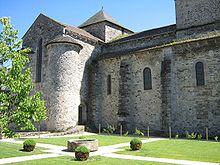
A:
20, 105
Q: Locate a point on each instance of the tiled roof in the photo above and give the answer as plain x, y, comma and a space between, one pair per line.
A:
100, 17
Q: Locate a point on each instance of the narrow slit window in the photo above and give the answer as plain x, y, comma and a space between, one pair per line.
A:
200, 78
39, 61
109, 85
147, 79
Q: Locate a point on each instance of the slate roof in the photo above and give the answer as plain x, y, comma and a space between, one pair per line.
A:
76, 30
64, 39
147, 33
100, 17
81, 32
73, 29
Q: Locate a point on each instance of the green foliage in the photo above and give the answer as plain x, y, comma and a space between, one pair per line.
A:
135, 144
82, 149
138, 132
19, 104
29, 142
119, 37
109, 130
216, 138
135, 141
191, 136
29, 145
125, 134
82, 137
176, 136
199, 137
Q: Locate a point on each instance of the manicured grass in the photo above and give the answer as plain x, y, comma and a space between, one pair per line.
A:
180, 149
104, 140
98, 160
12, 150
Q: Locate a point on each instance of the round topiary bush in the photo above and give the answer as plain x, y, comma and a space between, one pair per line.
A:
29, 145
82, 153
135, 144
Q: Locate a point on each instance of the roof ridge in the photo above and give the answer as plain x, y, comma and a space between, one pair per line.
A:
100, 16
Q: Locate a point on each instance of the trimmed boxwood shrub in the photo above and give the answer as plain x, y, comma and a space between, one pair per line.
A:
135, 144
82, 153
29, 145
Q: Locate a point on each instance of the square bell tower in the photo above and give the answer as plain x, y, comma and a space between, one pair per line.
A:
194, 13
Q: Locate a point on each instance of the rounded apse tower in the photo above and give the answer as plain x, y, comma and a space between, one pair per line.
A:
62, 83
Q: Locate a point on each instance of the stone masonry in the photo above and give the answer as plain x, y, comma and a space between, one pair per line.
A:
87, 76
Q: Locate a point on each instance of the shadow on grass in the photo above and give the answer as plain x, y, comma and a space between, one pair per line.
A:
128, 149
90, 159
24, 150
66, 150
134, 151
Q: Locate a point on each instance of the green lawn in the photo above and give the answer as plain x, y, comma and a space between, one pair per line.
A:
98, 160
180, 149
13, 150
104, 140
173, 149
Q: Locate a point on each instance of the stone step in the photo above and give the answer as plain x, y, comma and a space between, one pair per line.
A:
79, 129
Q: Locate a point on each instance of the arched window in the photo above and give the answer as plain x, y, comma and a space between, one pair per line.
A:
109, 85
147, 79
200, 79
39, 61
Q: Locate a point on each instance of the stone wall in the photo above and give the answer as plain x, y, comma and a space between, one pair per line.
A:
106, 105
133, 44
48, 29
62, 86
190, 13
70, 83
174, 101
73, 78
45, 29
89, 53
196, 107
112, 31
166, 89
106, 31
200, 31
129, 104
97, 30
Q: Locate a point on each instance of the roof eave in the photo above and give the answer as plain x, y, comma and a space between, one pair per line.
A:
105, 21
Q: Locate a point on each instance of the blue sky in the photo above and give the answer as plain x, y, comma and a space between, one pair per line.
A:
137, 15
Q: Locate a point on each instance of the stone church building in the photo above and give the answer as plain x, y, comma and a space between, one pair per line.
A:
103, 73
